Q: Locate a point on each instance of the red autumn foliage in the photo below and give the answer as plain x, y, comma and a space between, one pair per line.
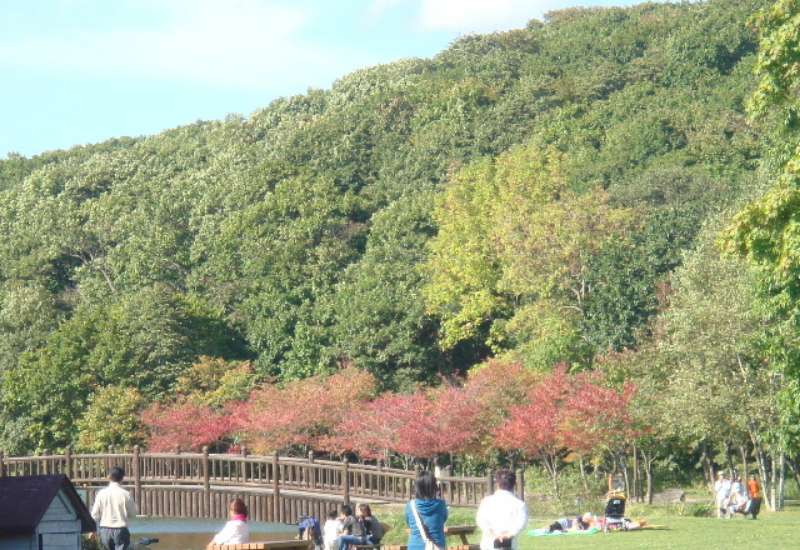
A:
371, 430
422, 424
496, 387
186, 426
302, 412
567, 413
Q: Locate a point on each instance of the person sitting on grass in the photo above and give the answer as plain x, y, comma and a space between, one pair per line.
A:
580, 523
738, 503
236, 530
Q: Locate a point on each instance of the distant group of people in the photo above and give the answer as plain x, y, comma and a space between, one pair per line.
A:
343, 529
501, 517
732, 497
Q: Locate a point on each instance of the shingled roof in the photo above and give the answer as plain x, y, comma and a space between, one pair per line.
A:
25, 499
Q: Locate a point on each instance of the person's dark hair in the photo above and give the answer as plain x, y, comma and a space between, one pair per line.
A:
347, 510
364, 509
505, 479
239, 507
333, 514
425, 487
116, 474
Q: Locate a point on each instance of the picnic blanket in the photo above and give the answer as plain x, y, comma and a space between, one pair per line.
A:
543, 532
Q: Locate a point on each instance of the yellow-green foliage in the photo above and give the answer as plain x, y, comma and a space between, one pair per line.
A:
112, 419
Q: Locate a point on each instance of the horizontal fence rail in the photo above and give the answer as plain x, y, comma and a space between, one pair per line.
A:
276, 488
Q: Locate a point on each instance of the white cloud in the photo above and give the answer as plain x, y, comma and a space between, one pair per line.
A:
483, 15
244, 44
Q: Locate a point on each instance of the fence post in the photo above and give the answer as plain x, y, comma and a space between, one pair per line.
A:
521, 482
68, 461
276, 488
244, 465
2, 464
137, 476
448, 473
346, 479
206, 484
311, 478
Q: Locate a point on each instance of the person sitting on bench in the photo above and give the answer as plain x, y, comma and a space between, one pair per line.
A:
363, 528
236, 530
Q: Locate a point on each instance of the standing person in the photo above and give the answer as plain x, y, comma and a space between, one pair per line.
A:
501, 516
722, 491
426, 514
236, 530
112, 508
754, 492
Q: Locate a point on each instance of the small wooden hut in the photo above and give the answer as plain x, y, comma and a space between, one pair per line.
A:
42, 513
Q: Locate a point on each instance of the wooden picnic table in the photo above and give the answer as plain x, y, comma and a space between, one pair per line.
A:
459, 530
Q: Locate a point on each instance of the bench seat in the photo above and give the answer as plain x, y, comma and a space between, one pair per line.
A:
266, 545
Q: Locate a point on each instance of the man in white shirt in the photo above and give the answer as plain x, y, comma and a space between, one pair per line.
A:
111, 509
501, 516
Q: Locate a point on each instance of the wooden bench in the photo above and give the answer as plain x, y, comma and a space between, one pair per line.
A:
266, 545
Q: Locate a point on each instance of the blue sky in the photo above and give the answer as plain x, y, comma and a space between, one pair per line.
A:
81, 71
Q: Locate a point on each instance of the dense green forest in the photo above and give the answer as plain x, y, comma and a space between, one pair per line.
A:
554, 194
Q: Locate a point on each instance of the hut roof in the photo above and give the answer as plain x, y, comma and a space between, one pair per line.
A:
25, 499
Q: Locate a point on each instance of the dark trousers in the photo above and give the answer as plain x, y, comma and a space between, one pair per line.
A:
115, 538
755, 506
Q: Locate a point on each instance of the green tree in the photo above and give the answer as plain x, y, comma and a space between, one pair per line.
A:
112, 419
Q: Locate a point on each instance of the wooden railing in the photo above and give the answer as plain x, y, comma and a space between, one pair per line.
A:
280, 488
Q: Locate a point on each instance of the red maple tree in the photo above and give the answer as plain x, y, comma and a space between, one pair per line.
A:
186, 426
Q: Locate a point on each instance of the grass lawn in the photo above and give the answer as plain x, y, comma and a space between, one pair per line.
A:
774, 531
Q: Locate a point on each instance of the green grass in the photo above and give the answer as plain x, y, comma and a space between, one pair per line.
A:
771, 530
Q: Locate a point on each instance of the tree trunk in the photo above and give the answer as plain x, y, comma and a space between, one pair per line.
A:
551, 466
582, 466
648, 469
743, 452
635, 494
708, 469
781, 482
795, 473
623, 464
763, 469
729, 457
772, 493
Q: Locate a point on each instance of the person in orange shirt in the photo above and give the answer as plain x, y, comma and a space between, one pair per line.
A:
754, 491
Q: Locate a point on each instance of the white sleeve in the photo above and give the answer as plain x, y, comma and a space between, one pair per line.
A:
224, 536
97, 509
480, 517
519, 519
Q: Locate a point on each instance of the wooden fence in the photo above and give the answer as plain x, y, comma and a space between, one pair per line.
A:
276, 488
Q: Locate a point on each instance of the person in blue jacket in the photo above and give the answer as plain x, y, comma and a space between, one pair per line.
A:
431, 512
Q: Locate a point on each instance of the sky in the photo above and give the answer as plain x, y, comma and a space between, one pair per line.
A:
82, 71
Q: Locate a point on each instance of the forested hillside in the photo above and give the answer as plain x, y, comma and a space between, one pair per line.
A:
547, 195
